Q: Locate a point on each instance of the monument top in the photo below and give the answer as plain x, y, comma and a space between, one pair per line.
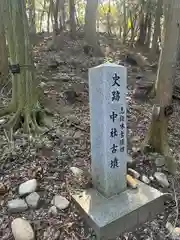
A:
108, 64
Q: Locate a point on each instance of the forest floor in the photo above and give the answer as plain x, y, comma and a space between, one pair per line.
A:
48, 158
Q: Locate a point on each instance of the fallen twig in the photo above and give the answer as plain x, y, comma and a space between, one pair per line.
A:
78, 127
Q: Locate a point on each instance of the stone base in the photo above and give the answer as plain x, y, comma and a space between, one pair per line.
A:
111, 217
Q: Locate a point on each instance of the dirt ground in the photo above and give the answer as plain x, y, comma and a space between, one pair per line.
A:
64, 80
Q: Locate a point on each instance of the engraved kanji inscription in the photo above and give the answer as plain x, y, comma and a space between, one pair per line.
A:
113, 116
115, 95
114, 132
114, 163
116, 80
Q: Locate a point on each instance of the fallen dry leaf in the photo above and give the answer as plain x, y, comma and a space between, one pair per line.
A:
131, 181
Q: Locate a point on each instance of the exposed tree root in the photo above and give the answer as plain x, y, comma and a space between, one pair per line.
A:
32, 122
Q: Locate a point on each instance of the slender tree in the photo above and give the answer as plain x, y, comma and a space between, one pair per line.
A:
42, 14
90, 25
157, 134
149, 24
32, 16
72, 18
125, 21
48, 17
109, 18
55, 10
157, 28
142, 24
62, 15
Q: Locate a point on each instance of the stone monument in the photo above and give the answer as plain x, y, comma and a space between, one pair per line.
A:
107, 90
110, 208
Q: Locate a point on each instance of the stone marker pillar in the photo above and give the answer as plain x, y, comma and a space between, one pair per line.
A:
107, 92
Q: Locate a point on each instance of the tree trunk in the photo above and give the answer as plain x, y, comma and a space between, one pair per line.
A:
24, 104
157, 134
62, 15
72, 18
148, 23
48, 18
55, 14
98, 21
125, 22
132, 28
3, 54
90, 25
142, 25
149, 26
109, 19
157, 28
32, 16
42, 15
55, 9
118, 6
142, 34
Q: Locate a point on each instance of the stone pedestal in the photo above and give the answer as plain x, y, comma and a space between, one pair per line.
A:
110, 217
